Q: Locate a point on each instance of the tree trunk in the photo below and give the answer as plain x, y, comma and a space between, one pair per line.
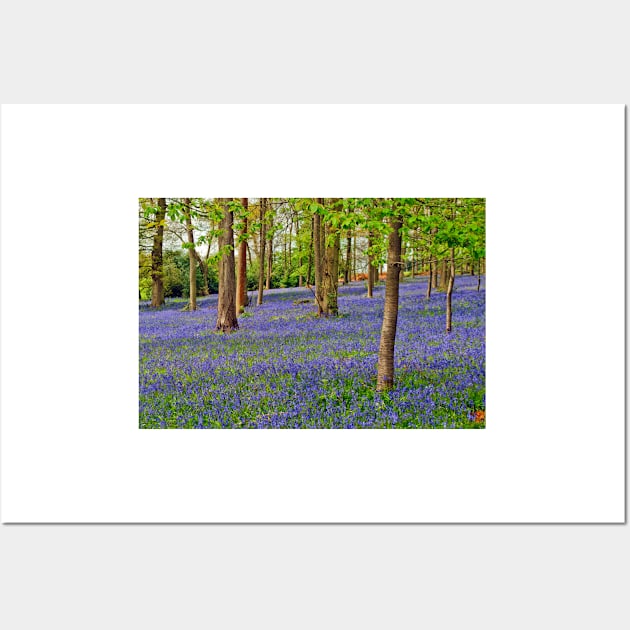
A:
157, 269
348, 268
192, 262
385, 370
354, 257
226, 310
298, 245
290, 265
241, 281
443, 277
261, 257
403, 254
429, 279
318, 255
203, 267
332, 244
269, 263
449, 293
371, 268
309, 267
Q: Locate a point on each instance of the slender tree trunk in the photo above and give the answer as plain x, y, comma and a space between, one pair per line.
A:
332, 245
261, 257
298, 245
226, 311
203, 267
443, 276
354, 257
241, 280
429, 278
157, 269
311, 243
449, 293
371, 268
290, 266
403, 254
318, 256
192, 262
385, 370
269, 263
348, 268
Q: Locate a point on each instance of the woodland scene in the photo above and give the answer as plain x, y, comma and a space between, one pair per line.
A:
323, 313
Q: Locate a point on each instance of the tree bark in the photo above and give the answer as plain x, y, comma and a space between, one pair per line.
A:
318, 256
443, 276
269, 263
429, 280
157, 268
348, 268
203, 266
385, 370
192, 262
226, 311
449, 292
332, 244
354, 257
261, 257
309, 267
241, 281
298, 245
403, 254
371, 268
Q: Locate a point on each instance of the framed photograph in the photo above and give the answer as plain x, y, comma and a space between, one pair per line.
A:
462, 270
312, 313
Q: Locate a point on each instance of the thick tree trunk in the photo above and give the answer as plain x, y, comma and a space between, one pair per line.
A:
157, 269
385, 370
192, 262
241, 280
449, 293
226, 310
261, 256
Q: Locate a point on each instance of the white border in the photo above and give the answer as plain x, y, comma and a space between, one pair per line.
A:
553, 178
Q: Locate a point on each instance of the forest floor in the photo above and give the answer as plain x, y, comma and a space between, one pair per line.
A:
287, 368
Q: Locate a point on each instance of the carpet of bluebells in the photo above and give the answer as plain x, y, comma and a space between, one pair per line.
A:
286, 368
